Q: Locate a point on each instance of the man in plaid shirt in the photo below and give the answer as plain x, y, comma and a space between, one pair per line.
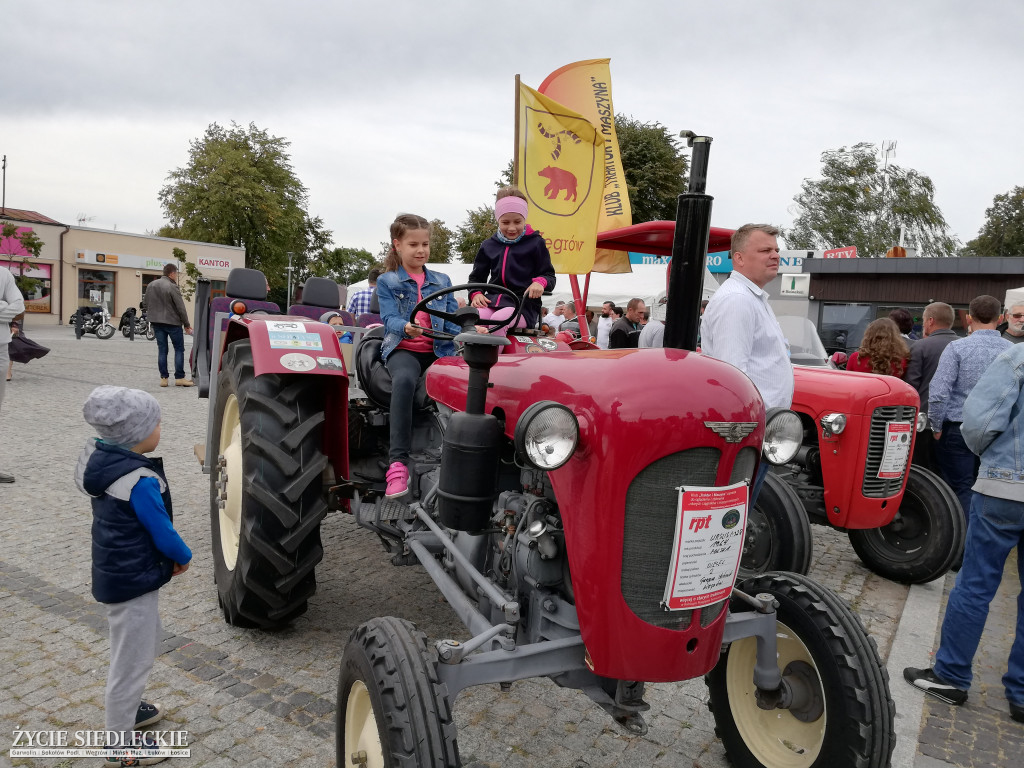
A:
359, 302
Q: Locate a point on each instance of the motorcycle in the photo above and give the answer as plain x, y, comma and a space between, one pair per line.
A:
94, 320
132, 324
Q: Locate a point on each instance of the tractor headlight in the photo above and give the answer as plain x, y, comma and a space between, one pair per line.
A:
783, 435
833, 424
922, 421
547, 434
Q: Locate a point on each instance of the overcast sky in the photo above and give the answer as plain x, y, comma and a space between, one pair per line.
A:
408, 106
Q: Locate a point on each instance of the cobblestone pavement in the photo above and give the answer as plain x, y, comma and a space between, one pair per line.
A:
980, 733
256, 698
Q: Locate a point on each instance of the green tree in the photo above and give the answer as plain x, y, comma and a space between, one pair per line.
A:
478, 226
654, 166
33, 246
1002, 234
238, 188
441, 242
860, 202
344, 265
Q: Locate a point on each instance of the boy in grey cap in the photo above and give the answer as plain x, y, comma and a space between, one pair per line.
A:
135, 550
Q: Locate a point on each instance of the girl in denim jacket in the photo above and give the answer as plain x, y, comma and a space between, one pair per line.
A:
406, 351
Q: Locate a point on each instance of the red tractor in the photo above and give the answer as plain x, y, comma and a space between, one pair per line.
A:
580, 523
853, 468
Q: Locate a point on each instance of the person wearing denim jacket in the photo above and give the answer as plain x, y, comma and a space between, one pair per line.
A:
396, 294
993, 428
406, 351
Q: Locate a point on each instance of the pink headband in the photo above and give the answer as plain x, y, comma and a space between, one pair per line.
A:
510, 204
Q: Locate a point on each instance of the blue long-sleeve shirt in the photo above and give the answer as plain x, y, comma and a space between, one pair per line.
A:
149, 508
961, 366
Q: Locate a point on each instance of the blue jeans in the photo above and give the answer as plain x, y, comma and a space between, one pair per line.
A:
997, 528
957, 465
405, 368
755, 488
164, 331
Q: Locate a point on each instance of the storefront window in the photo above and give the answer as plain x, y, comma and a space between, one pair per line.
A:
33, 279
218, 288
96, 288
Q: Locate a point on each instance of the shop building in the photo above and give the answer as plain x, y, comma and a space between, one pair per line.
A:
82, 266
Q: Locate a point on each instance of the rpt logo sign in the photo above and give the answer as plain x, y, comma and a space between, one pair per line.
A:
700, 523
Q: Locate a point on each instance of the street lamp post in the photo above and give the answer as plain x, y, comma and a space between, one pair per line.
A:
288, 299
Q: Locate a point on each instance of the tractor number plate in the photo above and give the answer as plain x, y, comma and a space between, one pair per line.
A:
707, 546
897, 450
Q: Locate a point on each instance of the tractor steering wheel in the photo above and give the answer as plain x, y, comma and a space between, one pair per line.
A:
463, 318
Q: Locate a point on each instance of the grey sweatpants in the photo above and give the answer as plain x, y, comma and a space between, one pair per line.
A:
4, 360
134, 638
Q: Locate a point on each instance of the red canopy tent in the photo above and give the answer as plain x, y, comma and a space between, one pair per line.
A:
656, 237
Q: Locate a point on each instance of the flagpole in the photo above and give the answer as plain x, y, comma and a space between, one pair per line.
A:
515, 152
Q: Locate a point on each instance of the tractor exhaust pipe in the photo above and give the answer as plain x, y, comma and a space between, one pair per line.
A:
689, 251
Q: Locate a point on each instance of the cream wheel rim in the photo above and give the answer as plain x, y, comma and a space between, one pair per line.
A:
362, 738
230, 510
774, 737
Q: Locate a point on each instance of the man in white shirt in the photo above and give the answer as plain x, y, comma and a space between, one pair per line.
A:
11, 305
557, 316
604, 324
740, 328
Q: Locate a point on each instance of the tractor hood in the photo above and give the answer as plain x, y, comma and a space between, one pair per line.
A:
822, 390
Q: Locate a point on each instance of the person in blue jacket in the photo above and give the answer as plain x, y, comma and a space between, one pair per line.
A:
515, 257
135, 549
406, 352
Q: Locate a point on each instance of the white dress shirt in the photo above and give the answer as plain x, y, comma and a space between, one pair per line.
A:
740, 328
604, 327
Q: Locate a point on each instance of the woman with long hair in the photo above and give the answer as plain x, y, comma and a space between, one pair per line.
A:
882, 350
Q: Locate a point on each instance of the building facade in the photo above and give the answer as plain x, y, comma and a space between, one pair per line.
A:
81, 266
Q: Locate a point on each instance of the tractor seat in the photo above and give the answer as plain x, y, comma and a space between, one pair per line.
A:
374, 377
320, 295
249, 285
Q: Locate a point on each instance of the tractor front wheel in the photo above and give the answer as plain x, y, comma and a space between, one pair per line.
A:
392, 710
842, 712
266, 491
778, 535
924, 538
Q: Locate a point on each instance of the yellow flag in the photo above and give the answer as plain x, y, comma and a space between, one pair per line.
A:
560, 169
586, 86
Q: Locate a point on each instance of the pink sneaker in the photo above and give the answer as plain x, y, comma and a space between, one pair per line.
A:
398, 481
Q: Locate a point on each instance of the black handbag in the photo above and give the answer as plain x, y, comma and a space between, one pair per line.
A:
22, 349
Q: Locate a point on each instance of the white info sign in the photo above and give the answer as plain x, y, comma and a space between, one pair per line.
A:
897, 450
707, 546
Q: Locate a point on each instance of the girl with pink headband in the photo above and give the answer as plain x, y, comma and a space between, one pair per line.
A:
515, 257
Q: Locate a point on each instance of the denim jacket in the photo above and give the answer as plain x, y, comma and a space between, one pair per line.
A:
397, 295
993, 426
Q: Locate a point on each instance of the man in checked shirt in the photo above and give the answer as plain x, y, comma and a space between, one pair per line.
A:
961, 366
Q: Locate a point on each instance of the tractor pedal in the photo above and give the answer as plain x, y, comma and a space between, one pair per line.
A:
404, 558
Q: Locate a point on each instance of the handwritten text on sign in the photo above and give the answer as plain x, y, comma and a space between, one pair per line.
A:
707, 546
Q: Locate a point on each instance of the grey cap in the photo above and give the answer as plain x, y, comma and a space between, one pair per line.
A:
120, 415
326, 316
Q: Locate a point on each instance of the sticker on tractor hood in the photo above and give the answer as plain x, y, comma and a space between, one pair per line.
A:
330, 363
707, 546
297, 361
897, 450
294, 340
286, 325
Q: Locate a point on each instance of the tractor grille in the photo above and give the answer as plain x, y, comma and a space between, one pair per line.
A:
650, 523
875, 487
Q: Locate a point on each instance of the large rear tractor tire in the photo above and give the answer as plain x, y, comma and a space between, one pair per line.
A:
778, 535
844, 713
266, 491
392, 710
925, 537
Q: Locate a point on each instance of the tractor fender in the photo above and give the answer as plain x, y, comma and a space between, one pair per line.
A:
287, 344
